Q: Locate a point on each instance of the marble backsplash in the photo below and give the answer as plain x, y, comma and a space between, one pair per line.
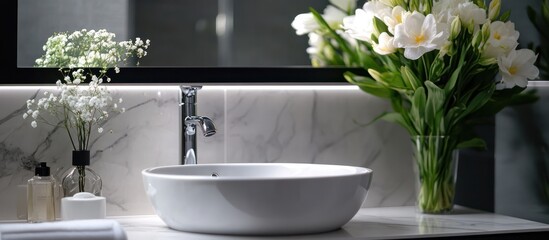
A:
318, 124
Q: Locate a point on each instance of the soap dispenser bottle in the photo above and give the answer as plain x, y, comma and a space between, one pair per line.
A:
40, 195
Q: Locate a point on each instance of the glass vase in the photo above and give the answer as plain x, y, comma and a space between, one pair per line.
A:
436, 170
80, 177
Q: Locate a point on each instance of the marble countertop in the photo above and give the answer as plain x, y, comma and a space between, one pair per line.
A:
369, 223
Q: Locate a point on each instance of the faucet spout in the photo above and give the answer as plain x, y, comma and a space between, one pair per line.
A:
205, 123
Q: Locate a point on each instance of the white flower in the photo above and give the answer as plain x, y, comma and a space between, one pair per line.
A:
516, 68
385, 44
25, 115
361, 25
100, 130
445, 10
306, 23
503, 39
469, 13
379, 9
333, 16
34, 124
419, 34
345, 5
397, 16
35, 114
390, 3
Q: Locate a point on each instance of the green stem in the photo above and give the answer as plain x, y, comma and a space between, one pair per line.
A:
435, 161
81, 177
67, 127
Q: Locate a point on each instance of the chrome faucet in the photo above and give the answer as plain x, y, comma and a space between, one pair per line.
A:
190, 123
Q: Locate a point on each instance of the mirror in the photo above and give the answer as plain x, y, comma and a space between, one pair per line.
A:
221, 33
292, 70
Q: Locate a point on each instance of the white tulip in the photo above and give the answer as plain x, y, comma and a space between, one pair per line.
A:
419, 34
516, 68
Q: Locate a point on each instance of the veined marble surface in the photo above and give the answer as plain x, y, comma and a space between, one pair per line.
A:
141, 137
322, 124
369, 223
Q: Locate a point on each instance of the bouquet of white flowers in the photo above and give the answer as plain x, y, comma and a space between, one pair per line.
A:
77, 108
445, 65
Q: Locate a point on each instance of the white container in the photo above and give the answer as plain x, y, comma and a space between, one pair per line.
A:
83, 205
256, 198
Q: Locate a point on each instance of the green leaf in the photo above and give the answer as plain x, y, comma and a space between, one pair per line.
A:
379, 27
545, 11
507, 97
455, 75
454, 116
437, 68
368, 85
398, 119
480, 100
478, 143
418, 108
532, 15
342, 42
393, 80
434, 105
409, 77
505, 16
396, 102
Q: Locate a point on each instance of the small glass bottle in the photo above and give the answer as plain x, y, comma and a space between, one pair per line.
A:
40, 195
81, 178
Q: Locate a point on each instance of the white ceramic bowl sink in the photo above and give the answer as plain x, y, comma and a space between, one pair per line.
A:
256, 199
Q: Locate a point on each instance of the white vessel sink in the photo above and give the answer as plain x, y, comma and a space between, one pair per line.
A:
256, 199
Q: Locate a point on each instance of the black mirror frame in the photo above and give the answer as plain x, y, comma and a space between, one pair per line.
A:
164, 75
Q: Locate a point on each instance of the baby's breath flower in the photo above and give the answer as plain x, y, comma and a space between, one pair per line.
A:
78, 107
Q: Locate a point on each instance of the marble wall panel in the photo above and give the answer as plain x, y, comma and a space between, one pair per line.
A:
267, 124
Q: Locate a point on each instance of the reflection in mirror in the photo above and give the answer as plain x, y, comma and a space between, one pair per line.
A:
245, 33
